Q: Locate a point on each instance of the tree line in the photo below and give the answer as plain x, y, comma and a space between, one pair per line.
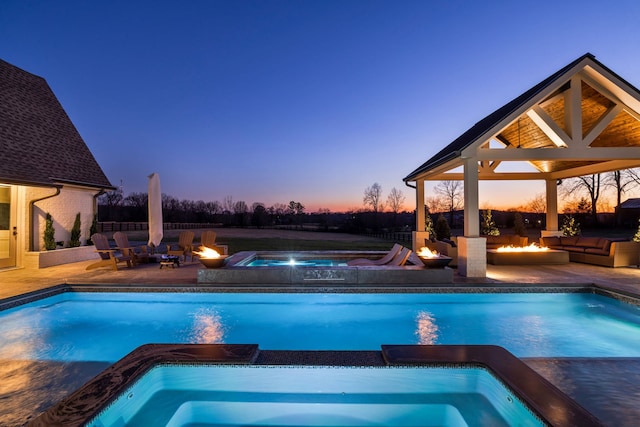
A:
585, 196
114, 206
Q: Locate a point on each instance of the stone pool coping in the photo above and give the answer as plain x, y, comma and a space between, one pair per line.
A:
15, 301
544, 399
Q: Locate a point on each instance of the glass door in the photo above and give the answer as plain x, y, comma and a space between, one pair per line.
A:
7, 229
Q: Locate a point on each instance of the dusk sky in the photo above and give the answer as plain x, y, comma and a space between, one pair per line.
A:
310, 101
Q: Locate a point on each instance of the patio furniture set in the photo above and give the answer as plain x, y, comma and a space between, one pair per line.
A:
123, 252
608, 252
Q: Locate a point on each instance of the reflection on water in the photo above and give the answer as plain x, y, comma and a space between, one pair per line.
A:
29, 387
427, 330
207, 327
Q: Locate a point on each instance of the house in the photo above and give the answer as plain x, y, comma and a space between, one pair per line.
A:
628, 212
45, 167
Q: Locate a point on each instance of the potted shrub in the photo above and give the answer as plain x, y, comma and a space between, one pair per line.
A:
49, 233
74, 242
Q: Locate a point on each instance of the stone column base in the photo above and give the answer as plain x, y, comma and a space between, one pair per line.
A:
472, 256
418, 238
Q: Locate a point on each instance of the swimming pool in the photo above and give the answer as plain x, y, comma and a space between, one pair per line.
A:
316, 396
292, 262
230, 384
97, 326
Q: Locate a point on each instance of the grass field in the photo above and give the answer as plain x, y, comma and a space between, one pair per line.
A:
278, 240
276, 244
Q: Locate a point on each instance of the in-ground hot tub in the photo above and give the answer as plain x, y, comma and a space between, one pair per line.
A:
318, 268
239, 385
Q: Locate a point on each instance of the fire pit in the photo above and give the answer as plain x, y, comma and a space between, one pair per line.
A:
433, 259
531, 248
526, 255
210, 258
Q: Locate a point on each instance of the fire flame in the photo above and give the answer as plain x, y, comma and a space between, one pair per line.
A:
425, 252
531, 248
207, 253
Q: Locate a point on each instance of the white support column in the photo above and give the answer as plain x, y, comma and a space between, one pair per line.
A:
472, 249
471, 205
419, 235
552, 209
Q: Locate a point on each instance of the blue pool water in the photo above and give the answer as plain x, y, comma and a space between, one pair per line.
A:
316, 396
76, 326
267, 262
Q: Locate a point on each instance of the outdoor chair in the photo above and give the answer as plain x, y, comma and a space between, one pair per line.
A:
208, 240
184, 246
380, 261
401, 258
108, 256
138, 254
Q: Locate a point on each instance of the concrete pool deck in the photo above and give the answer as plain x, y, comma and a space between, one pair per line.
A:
609, 388
19, 281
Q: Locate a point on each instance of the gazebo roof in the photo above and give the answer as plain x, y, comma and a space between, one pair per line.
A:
582, 119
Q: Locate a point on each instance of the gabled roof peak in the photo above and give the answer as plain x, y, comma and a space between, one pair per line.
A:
491, 124
40, 144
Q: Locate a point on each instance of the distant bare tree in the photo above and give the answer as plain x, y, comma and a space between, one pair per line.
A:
228, 204
621, 182
435, 204
395, 200
589, 184
259, 217
137, 200
213, 208
240, 210
240, 207
536, 205
278, 209
296, 208
452, 193
112, 198
373, 197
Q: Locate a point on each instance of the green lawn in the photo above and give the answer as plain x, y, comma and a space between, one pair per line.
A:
275, 244
241, 243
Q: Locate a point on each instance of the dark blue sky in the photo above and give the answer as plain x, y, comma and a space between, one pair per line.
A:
312, 101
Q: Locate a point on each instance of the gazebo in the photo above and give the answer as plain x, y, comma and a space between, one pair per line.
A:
584, 119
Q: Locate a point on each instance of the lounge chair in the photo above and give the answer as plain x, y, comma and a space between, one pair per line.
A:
184, 246
401, 258
138, 255
108, 257
380, 261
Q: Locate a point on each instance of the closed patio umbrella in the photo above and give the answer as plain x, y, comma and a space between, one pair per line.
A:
155, 211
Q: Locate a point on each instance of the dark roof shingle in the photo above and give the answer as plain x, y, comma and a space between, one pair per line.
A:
39, 145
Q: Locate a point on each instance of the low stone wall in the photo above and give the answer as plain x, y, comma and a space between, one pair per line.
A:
319, 276
44, 259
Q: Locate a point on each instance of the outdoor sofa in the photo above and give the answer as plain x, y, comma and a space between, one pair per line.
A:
608, 252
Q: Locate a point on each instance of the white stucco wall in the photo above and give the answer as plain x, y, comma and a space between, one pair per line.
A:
63, 209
